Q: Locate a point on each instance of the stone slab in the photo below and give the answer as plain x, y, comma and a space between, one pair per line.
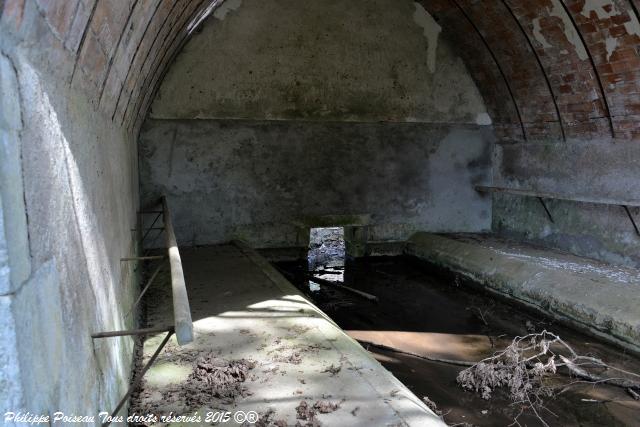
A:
599, 298
243, 308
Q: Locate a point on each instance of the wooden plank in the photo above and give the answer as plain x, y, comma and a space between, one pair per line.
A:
547, 195
337, 285
181, 310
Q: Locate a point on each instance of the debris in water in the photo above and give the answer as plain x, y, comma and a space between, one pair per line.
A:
523, 366
530, 326
432, 405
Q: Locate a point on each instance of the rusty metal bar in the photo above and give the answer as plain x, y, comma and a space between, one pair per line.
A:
143, 258
546, 209
153, 241
125, 333
181, 310
633, 221
136, 382
151, 227
144, 290
533, 193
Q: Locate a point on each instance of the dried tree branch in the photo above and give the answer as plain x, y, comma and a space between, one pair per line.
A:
523, 366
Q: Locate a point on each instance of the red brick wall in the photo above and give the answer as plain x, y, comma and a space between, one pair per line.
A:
551, 51
548, 69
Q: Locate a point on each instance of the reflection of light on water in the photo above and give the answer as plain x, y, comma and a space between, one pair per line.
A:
313, 286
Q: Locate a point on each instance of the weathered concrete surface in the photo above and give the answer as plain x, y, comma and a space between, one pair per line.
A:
11, 185
263, 181
593, 296
243, 308
268, 123
362, 60
69, 197
580, 169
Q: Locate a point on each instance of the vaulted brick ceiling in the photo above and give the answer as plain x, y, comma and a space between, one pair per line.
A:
548, 69
551, 69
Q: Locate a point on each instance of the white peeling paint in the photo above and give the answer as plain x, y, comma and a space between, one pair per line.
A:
633, 26
570, 31
599, 7
611, 45
483, 119
537, 34
226, 7
431, 31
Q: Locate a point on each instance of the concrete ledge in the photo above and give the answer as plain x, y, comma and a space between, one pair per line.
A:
601, 299
243, 307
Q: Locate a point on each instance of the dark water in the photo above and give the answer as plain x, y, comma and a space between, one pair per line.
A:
425, 311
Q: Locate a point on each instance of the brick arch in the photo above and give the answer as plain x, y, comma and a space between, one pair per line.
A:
570, 68
117, 49
548, 69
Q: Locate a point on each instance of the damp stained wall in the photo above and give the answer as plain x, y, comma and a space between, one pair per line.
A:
601, 169
259, 180
277, 114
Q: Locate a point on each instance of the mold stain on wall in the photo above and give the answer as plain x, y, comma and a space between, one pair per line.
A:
276, 112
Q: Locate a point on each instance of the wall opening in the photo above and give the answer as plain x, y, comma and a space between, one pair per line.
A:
326, 256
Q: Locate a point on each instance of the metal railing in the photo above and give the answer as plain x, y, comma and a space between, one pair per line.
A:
182, 323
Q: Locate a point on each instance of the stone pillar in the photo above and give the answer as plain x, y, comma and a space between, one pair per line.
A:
355, 240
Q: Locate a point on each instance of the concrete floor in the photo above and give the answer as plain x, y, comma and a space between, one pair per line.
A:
243, 308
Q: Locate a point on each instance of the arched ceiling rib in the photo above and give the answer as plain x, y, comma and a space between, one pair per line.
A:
548, 69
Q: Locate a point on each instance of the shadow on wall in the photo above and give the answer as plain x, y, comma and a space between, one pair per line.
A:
80, 206
257, 181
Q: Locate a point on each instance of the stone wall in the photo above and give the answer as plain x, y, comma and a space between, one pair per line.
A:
276, 116
596, 170
379, 60
69, 194
267, 182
